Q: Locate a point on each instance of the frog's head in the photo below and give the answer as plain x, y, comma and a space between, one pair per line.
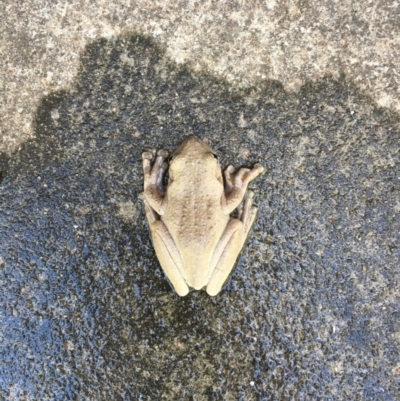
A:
194, 151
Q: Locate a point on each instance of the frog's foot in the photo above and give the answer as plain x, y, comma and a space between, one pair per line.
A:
236, 184
154, 167
153, 174
242, 177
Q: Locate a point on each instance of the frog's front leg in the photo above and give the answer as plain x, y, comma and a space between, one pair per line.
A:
166, 251
154, 191
230, 244
236, 185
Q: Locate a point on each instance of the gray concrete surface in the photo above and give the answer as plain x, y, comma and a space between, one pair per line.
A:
312, 310
240, 41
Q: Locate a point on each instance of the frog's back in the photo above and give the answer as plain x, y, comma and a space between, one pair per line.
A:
195, 221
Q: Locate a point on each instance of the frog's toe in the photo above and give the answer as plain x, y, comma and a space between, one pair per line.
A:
182, 291
250, 194
230, 169
212, 291
242, 172
163, 153
259, 167
148, 155
146, 161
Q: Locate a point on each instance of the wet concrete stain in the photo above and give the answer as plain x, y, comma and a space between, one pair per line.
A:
311, 312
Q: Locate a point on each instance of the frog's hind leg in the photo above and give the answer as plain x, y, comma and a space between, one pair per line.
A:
247, 214
230, 244
166, 251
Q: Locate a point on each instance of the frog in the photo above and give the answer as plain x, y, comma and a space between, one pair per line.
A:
195, 237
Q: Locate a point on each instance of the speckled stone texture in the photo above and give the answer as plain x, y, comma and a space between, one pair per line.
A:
241, 41
312, 310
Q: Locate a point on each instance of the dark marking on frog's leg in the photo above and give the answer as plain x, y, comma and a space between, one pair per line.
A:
161, 166
248, 214
154, 169
154, 190
151, 215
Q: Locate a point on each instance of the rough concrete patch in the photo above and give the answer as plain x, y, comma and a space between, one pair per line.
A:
242, 42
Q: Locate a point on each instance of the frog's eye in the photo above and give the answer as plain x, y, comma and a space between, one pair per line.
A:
215, 156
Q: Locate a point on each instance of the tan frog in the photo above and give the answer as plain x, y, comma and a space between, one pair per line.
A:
195, 239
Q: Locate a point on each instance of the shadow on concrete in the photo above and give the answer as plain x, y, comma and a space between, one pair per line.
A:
312, 309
